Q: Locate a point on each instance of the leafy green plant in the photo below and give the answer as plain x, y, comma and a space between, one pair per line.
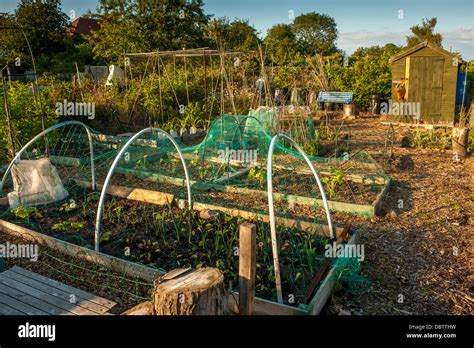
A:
258, 174
25, 212
313, 147
142, 163
22, 107
67, 226
93, 197
195, 115
470, 142
118, 212
204, 170
431, 139
332, 182
68, 206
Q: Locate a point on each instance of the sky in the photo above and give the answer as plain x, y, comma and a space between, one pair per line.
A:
360, 23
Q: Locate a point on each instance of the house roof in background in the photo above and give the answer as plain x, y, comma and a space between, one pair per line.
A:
84, 26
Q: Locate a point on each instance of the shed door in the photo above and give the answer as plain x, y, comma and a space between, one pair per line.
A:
426, 86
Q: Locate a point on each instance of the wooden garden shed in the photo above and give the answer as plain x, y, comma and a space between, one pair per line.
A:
426, 74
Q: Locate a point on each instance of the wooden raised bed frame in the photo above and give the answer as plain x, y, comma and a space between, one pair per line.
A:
365, 210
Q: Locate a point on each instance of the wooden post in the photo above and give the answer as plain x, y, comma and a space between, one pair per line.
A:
247, 264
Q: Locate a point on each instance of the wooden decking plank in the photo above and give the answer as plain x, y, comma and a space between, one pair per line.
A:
45, 297
56, 292
20, 306
7, 310
78, 292
31, 301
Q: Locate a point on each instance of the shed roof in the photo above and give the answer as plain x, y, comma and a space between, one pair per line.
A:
420, 46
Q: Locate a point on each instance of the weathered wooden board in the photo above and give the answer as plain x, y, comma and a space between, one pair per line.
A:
136, 194
7, 310
327, 286
33, 294
82, 298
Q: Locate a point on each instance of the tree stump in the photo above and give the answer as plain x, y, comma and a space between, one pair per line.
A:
144, 308
191, 292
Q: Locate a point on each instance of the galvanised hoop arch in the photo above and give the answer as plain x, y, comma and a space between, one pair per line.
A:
271, 209
46, 131
103, 193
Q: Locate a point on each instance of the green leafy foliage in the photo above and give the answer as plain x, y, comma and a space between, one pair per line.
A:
315, 33
236, 35
432, 139
313, 147
331, 183
142, 26
470, 142
67, 226
281, 44
25, 212
25, 110
258, 174
368, 72
425, 31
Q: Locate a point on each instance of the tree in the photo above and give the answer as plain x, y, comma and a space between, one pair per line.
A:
281, 44
236, 35
142, 25
315, 33
368, 72
423, 32
44, 25
11, 39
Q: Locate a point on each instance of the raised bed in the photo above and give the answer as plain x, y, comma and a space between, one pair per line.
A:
359, 209
366, 210
262, 306
163, 198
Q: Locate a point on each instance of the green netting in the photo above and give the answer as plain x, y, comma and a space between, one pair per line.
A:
49, 185
347, 273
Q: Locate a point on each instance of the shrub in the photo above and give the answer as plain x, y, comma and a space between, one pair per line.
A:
25, 115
